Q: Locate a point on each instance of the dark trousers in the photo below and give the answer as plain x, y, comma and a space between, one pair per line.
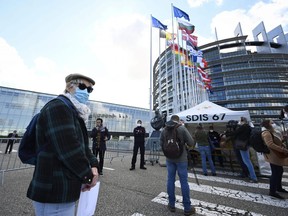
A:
10, 146
275, 178
135, 152
101, 153
219, 155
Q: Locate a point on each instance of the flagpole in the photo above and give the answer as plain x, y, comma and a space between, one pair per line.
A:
180, 92
160, 74
174, 83
151, 72
166, 75
184, 72
186, 75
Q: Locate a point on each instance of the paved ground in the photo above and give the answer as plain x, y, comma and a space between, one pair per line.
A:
143, 192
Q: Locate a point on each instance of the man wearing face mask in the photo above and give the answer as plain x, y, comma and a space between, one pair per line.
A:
65, 165
139, 142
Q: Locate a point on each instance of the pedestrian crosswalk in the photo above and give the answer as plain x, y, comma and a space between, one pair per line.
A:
204, 208
227, 186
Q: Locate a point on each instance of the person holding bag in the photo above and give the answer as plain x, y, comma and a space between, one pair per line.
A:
278, 157
241, 142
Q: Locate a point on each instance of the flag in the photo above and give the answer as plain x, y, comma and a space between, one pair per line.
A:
190, 45
184, 35
201, 62
186, 26
179, 13
157, 24
204, 62
204, 76
193, 39
168, 37
186, 61
177, 51
162, 34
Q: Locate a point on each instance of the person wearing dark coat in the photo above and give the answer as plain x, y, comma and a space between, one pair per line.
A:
66, 166
11, 141
215, 139
100, 134
139, 143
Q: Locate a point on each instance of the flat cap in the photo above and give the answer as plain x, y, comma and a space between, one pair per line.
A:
78, 76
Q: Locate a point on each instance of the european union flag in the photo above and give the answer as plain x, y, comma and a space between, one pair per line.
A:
179, 13
157, 24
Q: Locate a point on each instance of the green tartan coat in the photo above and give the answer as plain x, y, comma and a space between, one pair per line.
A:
66, 161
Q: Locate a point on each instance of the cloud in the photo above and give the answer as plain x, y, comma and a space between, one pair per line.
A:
121, 49
121, 68
198, 3
43, 75
276, 12
10, 65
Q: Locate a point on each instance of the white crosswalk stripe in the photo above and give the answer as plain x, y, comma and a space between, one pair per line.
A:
228, 180
204, 208
237, 194
232, 181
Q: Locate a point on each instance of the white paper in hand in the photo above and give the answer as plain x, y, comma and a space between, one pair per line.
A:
88, 201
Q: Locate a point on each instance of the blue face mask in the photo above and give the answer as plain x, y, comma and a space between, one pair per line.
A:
81, 95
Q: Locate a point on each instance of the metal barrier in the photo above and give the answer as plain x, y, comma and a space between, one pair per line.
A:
118, 149
11, 162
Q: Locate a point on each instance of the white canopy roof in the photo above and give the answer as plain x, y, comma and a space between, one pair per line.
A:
208, 112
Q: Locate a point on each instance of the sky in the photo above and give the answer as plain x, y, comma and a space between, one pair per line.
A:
41, 42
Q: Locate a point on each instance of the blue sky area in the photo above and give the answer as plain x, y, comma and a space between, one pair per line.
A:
41, 41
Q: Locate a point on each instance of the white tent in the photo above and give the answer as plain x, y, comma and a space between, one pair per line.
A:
208, 112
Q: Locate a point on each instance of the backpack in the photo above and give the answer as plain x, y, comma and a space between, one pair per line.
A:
257, 143
28, 151
172, 146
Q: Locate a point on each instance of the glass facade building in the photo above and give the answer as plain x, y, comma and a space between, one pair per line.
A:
246, 75
17, 107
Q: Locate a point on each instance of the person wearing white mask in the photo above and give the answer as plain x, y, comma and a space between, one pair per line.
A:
65, 165
139, 142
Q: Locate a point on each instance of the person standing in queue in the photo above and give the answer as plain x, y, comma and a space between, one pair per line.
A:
139, 142
277, 157
178, 165
100, 135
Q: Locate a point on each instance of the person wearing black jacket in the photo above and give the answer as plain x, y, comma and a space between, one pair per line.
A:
100, 135
11, 141
139, 142
214, 137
